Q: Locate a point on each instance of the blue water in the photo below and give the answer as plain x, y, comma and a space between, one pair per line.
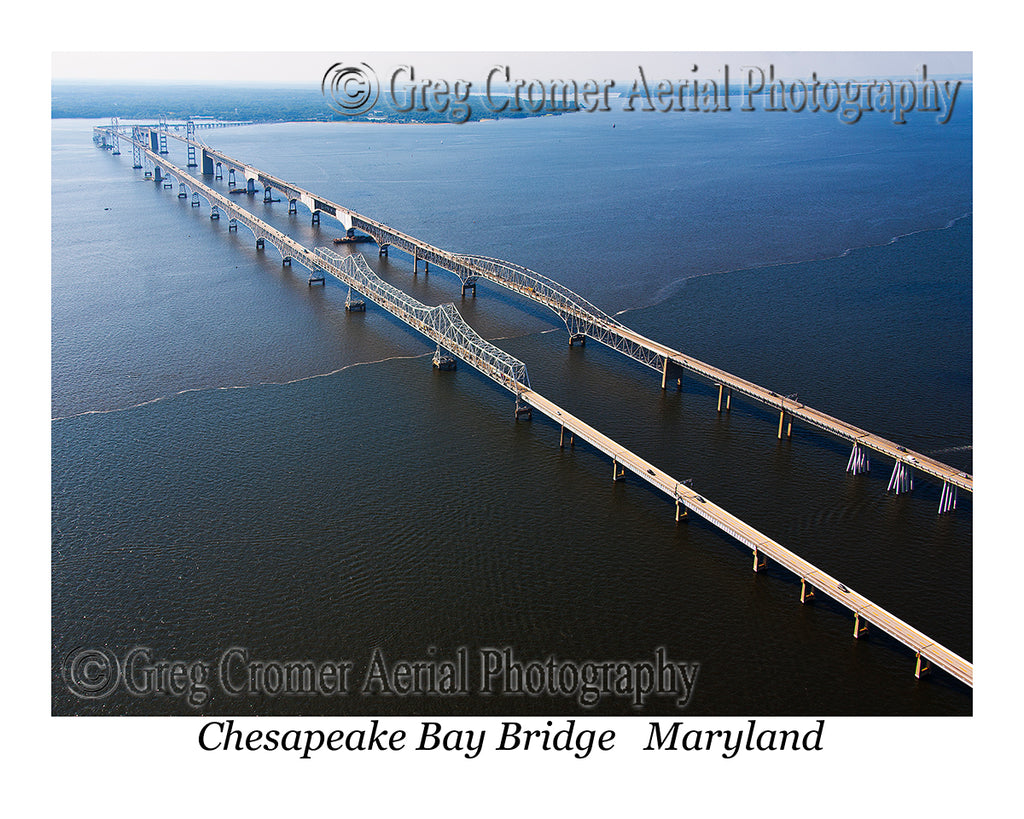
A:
238, 462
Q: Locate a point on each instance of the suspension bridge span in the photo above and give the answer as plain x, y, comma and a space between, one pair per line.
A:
584, 320
444, 326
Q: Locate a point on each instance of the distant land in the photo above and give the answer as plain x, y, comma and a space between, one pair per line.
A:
257, 104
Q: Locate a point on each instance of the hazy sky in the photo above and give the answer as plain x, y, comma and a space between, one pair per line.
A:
309, 67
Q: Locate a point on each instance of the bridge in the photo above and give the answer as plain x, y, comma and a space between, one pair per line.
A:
582, 320
444, 326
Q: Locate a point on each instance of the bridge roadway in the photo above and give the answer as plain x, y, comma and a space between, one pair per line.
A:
444, 326
584, 319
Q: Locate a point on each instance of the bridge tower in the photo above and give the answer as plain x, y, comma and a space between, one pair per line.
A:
136, 147
115, 126
190, 135
162, 134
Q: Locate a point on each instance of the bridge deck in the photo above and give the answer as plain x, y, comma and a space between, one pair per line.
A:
916, 640
569, 306
759, 543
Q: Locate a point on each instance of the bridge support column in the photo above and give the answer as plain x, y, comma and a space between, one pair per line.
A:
858, 629
720, 388
561, 439
523, 410
760, 561
182, 194
415, 264
259, 243
286, 261
947, 503
664, 374
268, 195
382, 250
231, 177
806, 592
315, 219
618, 474
218, 171
214, 212
233, 224
789, 427
859, 461
580, 337
902, 479
681, 511
292, 207
922, 667
195, 199
469, 284
316, 277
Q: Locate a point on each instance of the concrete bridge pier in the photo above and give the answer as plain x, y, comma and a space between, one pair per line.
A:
523, 410
292, 207
218, 171
382, 250
947, 503
315, 220
789, 427
617, 473
860, 461
250, 186
902, 479
681, 511
259, 243
233, 225
231, 177
214, 212
468, 284
760, 561
580, 337
806, 591
182, 193
922, 667
858, 629
195, 199
728, 398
